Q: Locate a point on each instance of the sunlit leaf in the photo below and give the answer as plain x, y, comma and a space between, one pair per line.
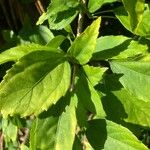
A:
84, 45
15, 53
34, 83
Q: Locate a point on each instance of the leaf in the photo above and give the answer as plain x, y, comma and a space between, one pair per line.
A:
119, 47
60, 13
94, 5
84, 45
34, 83
135, 10
15, 53
129, 108
56, 41
52, 132
135, 77
105, 134
62, 19
143, 28
136, 109
88, 96
94, 74
9, 130
38, 34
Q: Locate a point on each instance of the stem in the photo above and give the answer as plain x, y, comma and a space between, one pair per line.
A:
79, 31
74, 70
102, 12
81, 19
39, 7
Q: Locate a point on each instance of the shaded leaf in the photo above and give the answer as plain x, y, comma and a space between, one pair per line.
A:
37, 34
143, 28
135, 10
34, 83
94, 74
94, 5
107, 135
119, 47
84, 45
88, 96
56, 41
140, 72
129, 108
55, 132
60, 17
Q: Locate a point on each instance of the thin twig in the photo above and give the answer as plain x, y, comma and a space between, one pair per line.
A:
39, 7
81, 19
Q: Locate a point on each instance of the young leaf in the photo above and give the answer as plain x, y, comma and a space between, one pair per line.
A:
119, 47
135, 10
34, 83
56, 133
15, 53
135, 77
84, 45
94, 5
107, 135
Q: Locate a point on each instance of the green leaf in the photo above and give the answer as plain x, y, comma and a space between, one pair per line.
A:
107, 135
94, 5
9, 130
60, 13
137, 110
59, 21
84, 45
88, 96
37, 34
135, 10
56, 41
119, 47
94, 74
129, 108
15, 53
135, 77
143, 28
34, 83
56, 133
